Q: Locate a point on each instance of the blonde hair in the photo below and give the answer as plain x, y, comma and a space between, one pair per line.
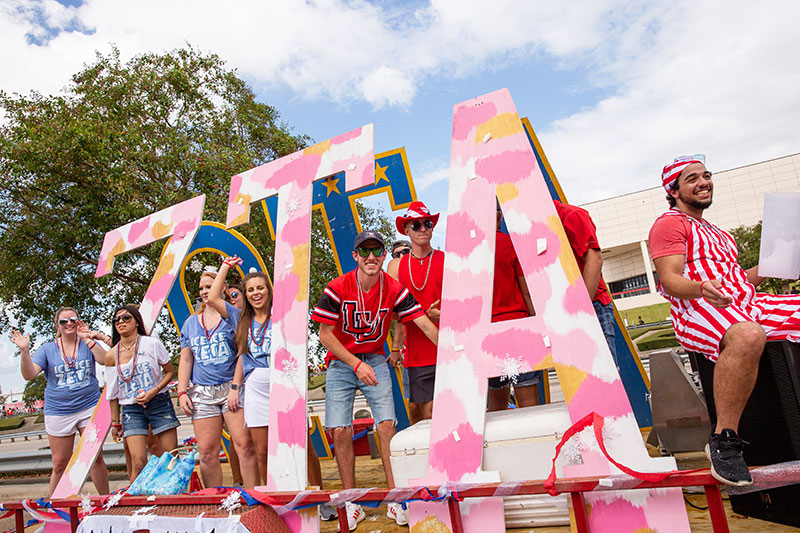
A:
225, 295
58, 313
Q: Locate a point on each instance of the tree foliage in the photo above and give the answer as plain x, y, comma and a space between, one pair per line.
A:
121, 141
34, 390
748, 241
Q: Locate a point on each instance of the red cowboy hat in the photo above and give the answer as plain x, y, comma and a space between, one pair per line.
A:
416, 211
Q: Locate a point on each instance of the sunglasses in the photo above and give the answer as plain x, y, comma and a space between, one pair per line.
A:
235, 294
122, 318
71, 320
378, 251
400, 253
417, 225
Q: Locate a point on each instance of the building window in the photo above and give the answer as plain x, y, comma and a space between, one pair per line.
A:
629, 287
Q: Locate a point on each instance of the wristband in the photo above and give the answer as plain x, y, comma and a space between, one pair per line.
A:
181, 393
701, 288
93, 345
358, 365
116, 425
397, 349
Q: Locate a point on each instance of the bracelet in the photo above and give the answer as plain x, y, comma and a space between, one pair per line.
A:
358, 365
93, 345
181, 393
116, 425
397, 349
701, 288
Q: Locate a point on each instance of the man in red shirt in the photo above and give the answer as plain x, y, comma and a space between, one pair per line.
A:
582, 236
715, 308
421, 272
510, 300
354, 313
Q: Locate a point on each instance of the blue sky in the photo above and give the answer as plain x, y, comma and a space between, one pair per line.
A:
614, 89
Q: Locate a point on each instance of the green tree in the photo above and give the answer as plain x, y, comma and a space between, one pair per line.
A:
748, 241
121, 141
34, 390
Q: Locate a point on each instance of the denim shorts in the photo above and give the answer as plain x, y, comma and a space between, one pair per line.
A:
341, 384
605, 314
525, 379
159, 414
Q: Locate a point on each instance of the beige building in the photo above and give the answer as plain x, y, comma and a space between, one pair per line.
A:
623, 222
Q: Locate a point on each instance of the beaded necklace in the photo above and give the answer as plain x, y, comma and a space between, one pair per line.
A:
205, 330
360, 303
69, 361
258, 340
421, 262
133, 358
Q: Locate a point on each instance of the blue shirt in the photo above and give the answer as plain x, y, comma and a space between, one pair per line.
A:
214, 352
70, 389
258, 352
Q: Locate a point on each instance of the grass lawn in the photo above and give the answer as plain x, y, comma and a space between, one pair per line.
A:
13, 422
638, 332
649, 313
316, 381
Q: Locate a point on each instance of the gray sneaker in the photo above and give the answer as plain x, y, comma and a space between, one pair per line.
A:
327, 512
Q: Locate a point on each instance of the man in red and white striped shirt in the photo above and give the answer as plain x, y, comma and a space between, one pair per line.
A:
715, 307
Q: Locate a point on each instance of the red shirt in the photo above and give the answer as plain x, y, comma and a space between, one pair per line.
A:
668, 236
582, 235
507, 301
364, 329
420, 351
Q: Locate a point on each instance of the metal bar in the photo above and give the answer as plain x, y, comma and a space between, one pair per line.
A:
716, 509
579, 508
455, 516
342, 512
73, 519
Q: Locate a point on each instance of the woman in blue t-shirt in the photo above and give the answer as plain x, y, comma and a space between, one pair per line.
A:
72, 390
209, 358
253, 339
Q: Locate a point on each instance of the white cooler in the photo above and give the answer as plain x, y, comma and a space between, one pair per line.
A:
519, 443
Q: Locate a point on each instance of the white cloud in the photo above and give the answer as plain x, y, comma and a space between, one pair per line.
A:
718, 79
387, 86
684, 77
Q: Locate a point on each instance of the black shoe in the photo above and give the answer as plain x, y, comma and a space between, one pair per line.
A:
724, 450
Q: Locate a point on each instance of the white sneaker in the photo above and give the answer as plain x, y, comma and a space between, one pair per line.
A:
355, 514
396, 512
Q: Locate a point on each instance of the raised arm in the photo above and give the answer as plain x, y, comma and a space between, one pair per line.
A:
670, 275
215, 299
28, 368
88, 336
